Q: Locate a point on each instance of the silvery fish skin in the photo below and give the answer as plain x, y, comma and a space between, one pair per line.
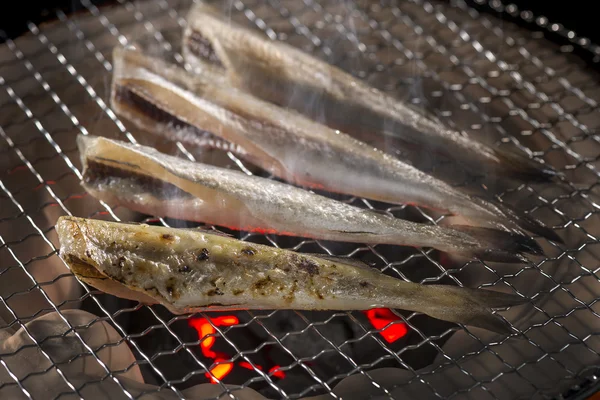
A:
284, 75
145, 180
187, 270
148, 91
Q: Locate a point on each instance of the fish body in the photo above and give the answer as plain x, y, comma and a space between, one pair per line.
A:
169, 101
284, 75
187, 270
145, 180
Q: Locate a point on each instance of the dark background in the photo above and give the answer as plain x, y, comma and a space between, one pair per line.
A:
577, 15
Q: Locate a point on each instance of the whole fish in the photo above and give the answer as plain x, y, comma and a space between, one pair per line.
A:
167, 100
286, 76
187, 270
145, 180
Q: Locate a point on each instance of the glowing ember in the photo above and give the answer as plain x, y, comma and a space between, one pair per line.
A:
277, 372
381, 317
220, 371
247, 365
206, 334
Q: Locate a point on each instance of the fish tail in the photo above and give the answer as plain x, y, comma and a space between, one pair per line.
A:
506, 217
471, 307
522, 168
529, 223
499, 245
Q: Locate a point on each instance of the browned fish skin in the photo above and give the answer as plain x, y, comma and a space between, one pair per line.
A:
187, 270
287, 144
145, 180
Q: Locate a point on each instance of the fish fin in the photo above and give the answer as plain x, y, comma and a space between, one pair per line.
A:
499, 245
342, 260
472, 307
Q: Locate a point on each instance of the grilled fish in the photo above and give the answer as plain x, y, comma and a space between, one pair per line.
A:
145, 180
167, 100
187, 270
286, 76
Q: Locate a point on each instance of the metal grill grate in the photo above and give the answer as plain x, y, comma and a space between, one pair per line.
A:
489, 78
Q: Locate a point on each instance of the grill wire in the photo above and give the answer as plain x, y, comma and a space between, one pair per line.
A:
490, 78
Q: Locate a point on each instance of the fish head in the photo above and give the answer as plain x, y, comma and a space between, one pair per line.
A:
75, 255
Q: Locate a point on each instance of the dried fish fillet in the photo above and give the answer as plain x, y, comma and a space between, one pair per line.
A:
187, 270
148, 91
145, 180
280, 73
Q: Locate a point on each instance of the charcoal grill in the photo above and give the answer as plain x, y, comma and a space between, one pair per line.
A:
492, 79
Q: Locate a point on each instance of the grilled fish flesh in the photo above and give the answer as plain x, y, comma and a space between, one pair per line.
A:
145, 180
187, 270
286, 76
167, 100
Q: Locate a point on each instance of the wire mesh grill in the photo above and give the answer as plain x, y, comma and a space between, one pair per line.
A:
492, 79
